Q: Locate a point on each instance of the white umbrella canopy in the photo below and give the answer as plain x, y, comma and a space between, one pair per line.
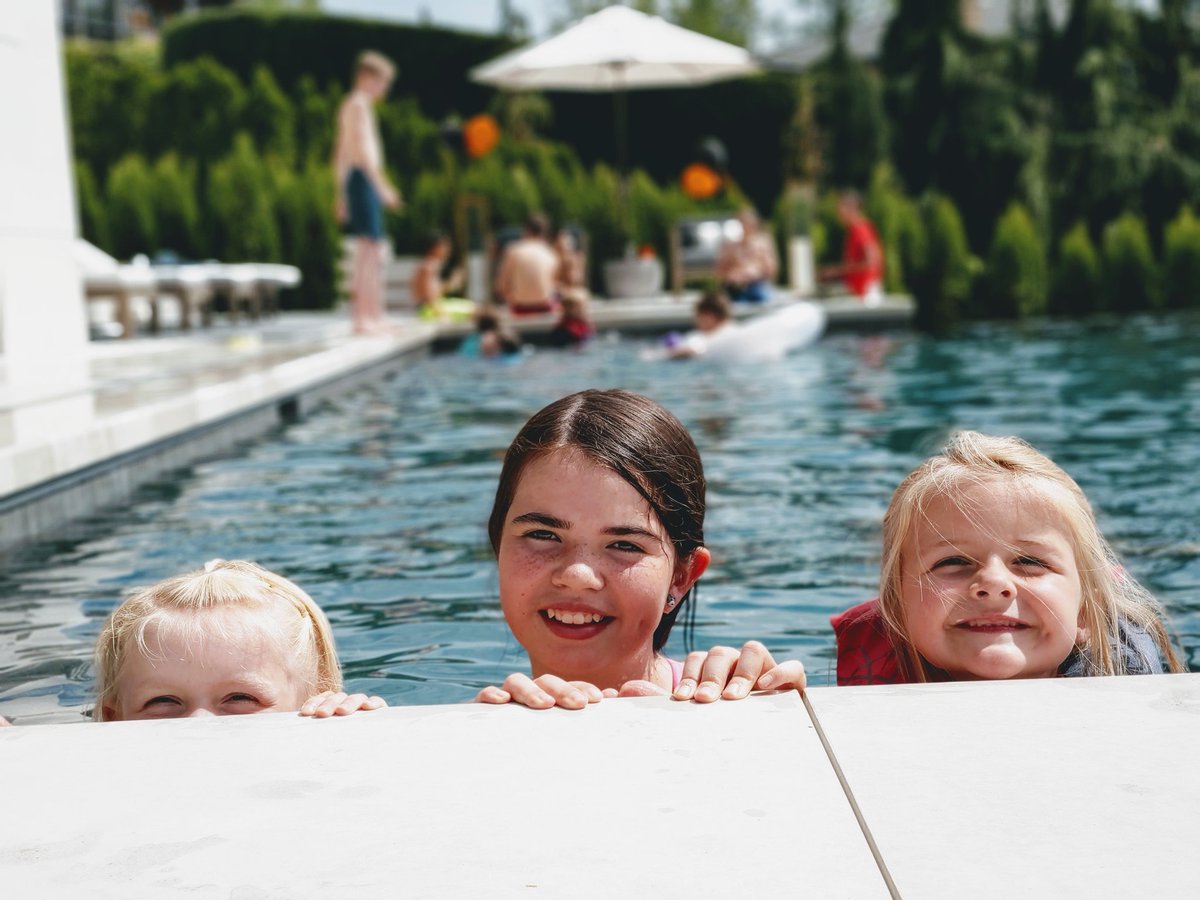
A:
617, 49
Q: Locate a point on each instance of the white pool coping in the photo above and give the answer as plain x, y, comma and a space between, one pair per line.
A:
1081, 787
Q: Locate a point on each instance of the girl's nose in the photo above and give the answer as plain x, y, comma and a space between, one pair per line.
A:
994, 582
200, 712
579, 575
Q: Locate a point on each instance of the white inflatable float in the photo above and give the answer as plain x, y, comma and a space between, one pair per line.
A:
771, 334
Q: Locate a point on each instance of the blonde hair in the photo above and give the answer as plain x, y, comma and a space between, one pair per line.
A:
219, 586
376, 63
1110, 595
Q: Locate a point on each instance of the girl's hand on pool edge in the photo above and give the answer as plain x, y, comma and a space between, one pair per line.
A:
728, 674
542, 692
4, 722
339, 703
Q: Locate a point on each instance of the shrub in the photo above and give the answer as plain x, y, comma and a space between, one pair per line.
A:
308, 235
130, 191
242, 218
175, 207
1181, 260
601, 216
1016, 272
93, 211
944, 281
428, 207
1077, 285
898, 222
107, 94
315, 113
1130, 276
195, 111
268, 117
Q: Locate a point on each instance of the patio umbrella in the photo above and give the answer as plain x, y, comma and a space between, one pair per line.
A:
617, 49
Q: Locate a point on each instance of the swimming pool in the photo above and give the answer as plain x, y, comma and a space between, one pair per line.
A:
377, 502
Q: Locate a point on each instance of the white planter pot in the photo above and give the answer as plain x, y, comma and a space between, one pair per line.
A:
633, 278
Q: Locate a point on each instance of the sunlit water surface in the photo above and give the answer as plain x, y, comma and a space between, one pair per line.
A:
376, 503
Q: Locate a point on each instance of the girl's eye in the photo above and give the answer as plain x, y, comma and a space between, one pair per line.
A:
161, 701
241, 698
540, 534
626, 547
1030, 562
951, 562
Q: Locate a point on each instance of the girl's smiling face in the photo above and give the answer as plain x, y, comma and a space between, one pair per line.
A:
585, 571
994, 593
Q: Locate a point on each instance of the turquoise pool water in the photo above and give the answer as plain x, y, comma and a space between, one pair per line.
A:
377, 503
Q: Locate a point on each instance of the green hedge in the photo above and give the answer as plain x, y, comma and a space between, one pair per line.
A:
1017, 280
132, 223
943, 281
1077, 280
1181, 260
1130, 273
432, 62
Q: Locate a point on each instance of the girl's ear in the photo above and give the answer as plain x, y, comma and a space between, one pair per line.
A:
689, 570
1082, 634
109, 714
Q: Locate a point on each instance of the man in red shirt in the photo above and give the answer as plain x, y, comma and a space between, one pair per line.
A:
862, 258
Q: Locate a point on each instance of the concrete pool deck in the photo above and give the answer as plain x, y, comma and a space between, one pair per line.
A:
1069, 787
155, 404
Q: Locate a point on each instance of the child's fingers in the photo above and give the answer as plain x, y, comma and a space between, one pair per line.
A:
715, 674
788, 675
752, 662
312, 704
355, 702
590, 691
693, 665
524, 691
4, 722
493, 694
564, 693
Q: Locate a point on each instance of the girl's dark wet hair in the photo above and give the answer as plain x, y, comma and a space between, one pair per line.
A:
637, 439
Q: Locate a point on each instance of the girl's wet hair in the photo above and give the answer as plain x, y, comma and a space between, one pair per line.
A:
1110, 595
181, 603
634, 437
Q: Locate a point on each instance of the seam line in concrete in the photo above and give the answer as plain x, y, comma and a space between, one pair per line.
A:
850, 798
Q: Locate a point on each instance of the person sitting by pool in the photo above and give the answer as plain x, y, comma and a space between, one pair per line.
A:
429, 289
571, 278
994, 567
713, 315
862, 256
598, 531
528, 275
230, 639
574, 327
747, 267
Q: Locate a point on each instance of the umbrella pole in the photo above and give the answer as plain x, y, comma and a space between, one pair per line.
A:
621, 135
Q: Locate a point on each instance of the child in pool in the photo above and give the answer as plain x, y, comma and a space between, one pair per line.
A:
993, 567
231, 639
598, 530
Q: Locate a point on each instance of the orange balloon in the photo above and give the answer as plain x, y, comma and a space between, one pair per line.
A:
480, 135
700, 181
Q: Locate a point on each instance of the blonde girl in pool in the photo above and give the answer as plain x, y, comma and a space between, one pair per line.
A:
231, 639
598, 530
993, 567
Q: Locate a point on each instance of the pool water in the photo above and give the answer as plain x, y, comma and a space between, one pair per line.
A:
377, 503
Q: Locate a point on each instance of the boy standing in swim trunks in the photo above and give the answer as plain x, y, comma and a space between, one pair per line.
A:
363, 188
